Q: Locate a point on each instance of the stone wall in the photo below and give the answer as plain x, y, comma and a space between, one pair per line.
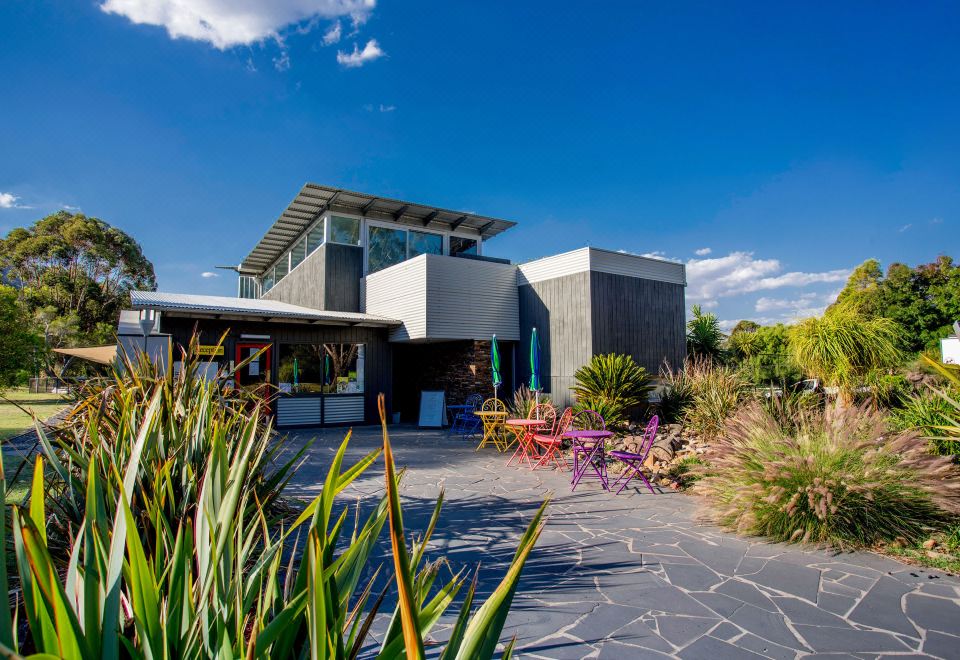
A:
460, 368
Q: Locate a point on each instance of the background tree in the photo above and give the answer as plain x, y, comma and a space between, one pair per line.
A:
764, 351
843, 346
704, 337
18, 346
74, 274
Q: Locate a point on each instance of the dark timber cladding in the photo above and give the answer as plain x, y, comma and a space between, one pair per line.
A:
377, 365
328, 279
589, 313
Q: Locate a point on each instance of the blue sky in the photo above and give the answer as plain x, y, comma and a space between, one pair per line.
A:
770, 149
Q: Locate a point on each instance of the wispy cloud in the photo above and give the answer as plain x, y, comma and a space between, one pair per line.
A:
282, 61
358, 58
209, 274
740, 272
228, 23
936, 221
702, 252
905, 227
11, 201
333, 34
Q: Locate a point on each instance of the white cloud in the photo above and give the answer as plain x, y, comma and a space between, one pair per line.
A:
282, 61
702, 252
8, 200
358, 58
936, 221
387, 108
208, 274
227, 23
333, 34
740, 272
905, 227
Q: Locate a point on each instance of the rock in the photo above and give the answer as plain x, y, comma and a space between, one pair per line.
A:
929, 544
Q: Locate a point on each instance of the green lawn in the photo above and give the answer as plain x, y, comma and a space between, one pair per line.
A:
14, 421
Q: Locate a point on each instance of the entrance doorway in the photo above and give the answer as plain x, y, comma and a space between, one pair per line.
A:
257, 372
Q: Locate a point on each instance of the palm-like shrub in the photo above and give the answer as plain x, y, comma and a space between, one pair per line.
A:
840, 478
524, 399
843, 346
704, 337
945, 432
611, 384
716, 391
675, 393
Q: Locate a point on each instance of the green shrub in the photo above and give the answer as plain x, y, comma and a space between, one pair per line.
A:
840, 479
611, 383
789, 408
889, 390
675, 394
926, 413
524, 399
704, 337
716, 391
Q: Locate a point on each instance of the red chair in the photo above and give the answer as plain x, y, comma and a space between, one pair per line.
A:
551, 443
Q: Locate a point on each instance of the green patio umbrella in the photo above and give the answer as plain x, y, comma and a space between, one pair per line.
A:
535, 384
296, 373
495, 365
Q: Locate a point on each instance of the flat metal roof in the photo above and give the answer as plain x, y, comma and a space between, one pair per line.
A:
314, 199
183, 304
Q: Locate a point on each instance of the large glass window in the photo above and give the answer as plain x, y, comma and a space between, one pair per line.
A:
281, 269
460, 245
316, 368
298, 253
344, 230
315, 237
385, 247
421, 242
268, 280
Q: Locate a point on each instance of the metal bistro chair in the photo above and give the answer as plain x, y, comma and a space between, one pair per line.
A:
465, 423
526, 447
552, 442
493, 413
634, 462
588, 452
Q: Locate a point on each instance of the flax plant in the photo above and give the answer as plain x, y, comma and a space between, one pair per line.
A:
155, 567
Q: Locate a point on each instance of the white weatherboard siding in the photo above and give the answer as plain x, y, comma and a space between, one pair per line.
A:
601, 261
444, 298
401, 289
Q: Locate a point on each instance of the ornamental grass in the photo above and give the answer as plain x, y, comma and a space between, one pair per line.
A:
838, 477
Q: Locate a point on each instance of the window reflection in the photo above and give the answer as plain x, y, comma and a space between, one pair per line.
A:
321, 368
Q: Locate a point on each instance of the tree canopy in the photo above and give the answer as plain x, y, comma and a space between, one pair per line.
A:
17, 343
704, 336
74, 274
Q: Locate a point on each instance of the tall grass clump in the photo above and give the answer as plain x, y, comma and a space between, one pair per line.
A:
524, 399
611, 384
146, 575
675, 393
716, 392
838, 479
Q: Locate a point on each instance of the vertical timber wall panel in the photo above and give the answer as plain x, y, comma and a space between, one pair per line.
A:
640, 317
560, 310
328, 279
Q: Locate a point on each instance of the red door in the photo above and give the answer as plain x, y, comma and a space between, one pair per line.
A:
256, 372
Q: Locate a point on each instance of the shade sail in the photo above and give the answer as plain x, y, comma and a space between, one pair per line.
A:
98, 354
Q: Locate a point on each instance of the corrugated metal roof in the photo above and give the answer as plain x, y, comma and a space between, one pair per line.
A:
315, 199
223, 306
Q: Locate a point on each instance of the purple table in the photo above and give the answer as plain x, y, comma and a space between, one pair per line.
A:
590, 443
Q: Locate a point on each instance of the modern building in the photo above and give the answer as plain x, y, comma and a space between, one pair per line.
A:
348, 295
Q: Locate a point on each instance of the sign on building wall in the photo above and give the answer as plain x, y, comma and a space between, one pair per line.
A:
206, 349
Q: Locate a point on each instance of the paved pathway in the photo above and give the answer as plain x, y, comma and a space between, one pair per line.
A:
638, 575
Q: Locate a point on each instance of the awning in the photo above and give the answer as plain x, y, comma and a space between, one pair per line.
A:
98, 354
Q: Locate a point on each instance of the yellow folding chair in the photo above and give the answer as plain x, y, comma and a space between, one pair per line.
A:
493, 413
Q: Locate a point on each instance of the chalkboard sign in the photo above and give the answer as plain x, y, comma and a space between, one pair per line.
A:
433, 409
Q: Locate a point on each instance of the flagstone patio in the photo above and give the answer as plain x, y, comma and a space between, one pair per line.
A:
639, 575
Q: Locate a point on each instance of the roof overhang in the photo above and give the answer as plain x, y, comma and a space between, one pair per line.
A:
251, 310
314, 200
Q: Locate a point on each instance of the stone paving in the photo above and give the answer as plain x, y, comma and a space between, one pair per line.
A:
639, 575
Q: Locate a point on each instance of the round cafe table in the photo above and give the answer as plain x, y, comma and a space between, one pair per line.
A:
493, 428
590, 443
524, 430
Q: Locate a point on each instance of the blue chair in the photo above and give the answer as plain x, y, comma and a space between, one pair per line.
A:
465, 423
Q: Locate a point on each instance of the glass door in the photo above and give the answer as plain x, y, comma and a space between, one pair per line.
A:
256, 372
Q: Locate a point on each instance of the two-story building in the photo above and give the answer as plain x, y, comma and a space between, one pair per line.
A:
348, 295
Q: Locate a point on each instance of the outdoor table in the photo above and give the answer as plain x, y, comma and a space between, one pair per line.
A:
591, 444
492, 428
525, 428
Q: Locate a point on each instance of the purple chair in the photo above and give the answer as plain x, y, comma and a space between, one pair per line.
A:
634, 462
588, 452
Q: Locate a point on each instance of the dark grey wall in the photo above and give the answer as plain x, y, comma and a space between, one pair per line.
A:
329, 279
378, 374
643, 318
560, 310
